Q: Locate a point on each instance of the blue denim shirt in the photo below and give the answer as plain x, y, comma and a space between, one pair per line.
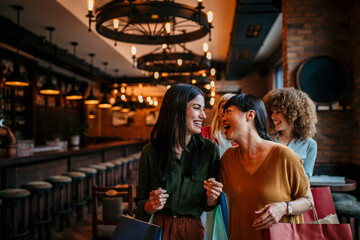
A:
307, 151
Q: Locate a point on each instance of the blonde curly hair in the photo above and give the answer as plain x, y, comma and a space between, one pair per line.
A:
298, 109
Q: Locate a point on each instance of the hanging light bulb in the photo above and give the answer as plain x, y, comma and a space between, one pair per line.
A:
133, 53
212, 83
164, 46
104, 102
168, 27
116, 23
49, 88
91, 4
205, 47
91, 115
212, 101
212, 71
210, 16
16, 79
179, 62
208, 55
91, 99
74, 93
117, 105
156, 75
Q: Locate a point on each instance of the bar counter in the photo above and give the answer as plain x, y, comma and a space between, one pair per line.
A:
18, 170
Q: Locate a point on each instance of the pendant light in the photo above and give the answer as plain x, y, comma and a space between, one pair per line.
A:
49, 88
74, 93
91, 115
16, 79
104, 101
91, 99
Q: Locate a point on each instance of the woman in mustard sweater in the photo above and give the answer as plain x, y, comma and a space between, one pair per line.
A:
264, 181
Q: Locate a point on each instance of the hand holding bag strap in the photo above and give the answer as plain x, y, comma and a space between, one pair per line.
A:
314, 211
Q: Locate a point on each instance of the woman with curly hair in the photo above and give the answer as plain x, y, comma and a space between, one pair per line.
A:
292, 118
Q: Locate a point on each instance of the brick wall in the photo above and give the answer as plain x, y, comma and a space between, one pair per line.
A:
326, 27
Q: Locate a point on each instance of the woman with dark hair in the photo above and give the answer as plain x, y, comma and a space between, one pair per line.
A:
292, 119
179, 168
264, 182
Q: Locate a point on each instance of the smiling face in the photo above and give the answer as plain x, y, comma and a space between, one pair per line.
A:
279, 120
195, 115
234, 122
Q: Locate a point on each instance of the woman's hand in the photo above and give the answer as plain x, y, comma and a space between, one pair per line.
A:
156, 201
272, 213
213, 191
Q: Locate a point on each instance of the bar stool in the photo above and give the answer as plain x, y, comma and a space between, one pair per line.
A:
349, 210
77, 192
100, 175
40, 214
125, 169
61, 199
109, 173
118, 170
14, 213
90, 180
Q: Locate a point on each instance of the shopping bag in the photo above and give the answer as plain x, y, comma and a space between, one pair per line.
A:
286, 231
130, 228
324, 206
289, 231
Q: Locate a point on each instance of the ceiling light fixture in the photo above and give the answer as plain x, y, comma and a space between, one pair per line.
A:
91, 99
16, 79
74, 93
49, 87
150, 22
104, 101
169, 60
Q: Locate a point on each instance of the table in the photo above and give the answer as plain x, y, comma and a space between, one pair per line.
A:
346, 186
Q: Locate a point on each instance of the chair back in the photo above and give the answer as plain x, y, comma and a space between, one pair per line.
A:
107, 208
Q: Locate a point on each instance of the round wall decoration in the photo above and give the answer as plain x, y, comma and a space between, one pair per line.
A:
324, 78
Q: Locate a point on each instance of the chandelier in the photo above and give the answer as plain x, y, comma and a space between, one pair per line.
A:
150, 22
170, 60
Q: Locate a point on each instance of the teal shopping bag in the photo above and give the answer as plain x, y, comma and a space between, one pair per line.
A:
130, 228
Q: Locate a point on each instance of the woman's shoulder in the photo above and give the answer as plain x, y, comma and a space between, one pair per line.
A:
209, 143
148, 148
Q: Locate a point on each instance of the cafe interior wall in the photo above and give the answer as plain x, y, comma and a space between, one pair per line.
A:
328, 27
103, 126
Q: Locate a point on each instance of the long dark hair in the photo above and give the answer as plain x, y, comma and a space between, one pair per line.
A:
247, 102
172, 118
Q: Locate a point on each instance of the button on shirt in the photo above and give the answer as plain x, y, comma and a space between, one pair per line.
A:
187, 195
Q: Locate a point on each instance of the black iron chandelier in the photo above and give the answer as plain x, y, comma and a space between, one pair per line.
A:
150, 22
169, 60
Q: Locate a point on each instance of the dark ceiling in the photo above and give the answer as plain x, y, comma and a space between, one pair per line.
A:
250, 15
255, 15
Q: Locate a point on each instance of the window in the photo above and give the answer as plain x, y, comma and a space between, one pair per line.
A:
279, 76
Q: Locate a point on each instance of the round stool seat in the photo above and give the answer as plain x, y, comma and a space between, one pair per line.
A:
14, 193
108, 165
58, 179
37, 185
98, 167
348, 208
87, 171
75, 175
339, 197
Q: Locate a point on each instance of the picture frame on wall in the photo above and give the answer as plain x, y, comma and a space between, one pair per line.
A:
119, 118
151, 117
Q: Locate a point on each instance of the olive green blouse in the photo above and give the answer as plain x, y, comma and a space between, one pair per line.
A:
187, 195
